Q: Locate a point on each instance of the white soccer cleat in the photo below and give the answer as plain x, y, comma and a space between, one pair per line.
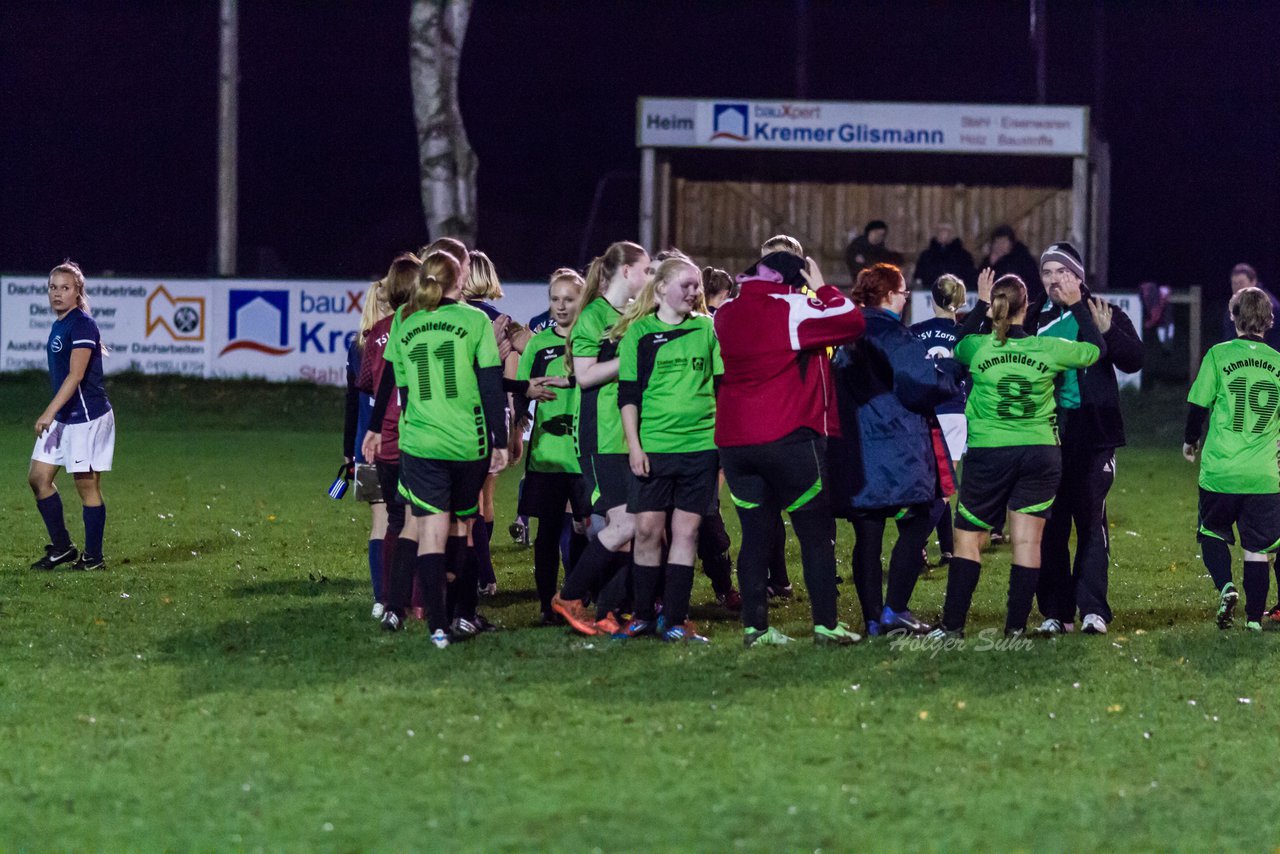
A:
378, 610
1093, 625
439, 639
1050, 627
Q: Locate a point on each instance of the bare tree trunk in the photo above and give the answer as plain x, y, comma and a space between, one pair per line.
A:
447, 163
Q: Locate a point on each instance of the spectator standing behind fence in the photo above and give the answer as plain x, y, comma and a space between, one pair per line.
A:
1007, 255
944, 255
1244, 276
869, 248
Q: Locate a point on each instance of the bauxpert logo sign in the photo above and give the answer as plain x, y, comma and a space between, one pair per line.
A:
862, 126
182, 317
729, 121
258, 320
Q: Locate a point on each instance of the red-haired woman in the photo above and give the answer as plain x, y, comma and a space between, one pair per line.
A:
890, 462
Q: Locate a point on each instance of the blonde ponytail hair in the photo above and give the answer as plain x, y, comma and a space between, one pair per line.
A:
601, 272
646, 302
482, 281
73, 269
949, 292
375, 308
1008, 298
82, 299
439, 275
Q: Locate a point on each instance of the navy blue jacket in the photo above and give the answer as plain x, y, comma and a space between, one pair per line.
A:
886, 389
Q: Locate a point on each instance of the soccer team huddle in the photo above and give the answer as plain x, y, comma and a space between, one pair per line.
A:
650, 380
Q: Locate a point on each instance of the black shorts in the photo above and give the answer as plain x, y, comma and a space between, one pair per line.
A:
389, 481
546, 494
676, 482
784, 475
1257, 517
606, 476
442, 486
1021, 478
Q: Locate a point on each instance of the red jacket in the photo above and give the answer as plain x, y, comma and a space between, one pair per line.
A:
777, 376
371, 368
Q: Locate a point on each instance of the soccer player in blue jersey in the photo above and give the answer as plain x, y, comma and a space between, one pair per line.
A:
77, 430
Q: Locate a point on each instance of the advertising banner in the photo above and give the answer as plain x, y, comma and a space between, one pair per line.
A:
866, 126
285, 330
155, 326
269, 328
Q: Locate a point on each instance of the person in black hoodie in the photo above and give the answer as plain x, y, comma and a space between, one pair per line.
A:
1244, 276
869, 248
1007, 255
1090, 429
944, 255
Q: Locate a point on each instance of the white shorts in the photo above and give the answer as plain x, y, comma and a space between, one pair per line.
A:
88, 446
955, 430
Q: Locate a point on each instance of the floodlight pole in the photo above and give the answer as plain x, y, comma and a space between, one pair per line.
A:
1039, 46
648, 197
228, 126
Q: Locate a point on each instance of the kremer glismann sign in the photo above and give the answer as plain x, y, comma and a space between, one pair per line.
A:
870, 126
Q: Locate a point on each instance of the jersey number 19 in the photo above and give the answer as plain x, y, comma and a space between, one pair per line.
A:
1260, 399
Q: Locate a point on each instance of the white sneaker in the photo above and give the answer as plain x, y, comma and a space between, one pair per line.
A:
1050, 627
440, 639
1094, 625
378, 610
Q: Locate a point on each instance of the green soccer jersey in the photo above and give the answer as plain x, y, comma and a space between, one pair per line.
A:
599, 424
673, 367
1012, 399
1064, 326
436, 356
1239, 383
553, 443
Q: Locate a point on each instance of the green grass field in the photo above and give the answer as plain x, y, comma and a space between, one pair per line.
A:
223, 687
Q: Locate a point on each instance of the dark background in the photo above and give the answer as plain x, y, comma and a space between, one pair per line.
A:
110, 120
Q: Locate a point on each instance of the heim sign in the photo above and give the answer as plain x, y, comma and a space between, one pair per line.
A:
1060, 131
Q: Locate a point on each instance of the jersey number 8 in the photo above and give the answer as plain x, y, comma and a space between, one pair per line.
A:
1015, 397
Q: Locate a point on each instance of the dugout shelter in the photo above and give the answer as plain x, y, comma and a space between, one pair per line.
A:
719, 176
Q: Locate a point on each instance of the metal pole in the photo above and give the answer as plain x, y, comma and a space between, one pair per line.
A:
648, 170
1100, 217
1195, 331
228, 124
802, 49
1080, 204
1039, 46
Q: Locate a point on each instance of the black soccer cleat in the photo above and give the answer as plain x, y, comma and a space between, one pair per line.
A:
391, 621
462, 629
1227, 600
89, 564
54, 557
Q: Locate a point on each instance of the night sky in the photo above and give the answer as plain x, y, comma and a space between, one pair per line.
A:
110, 118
